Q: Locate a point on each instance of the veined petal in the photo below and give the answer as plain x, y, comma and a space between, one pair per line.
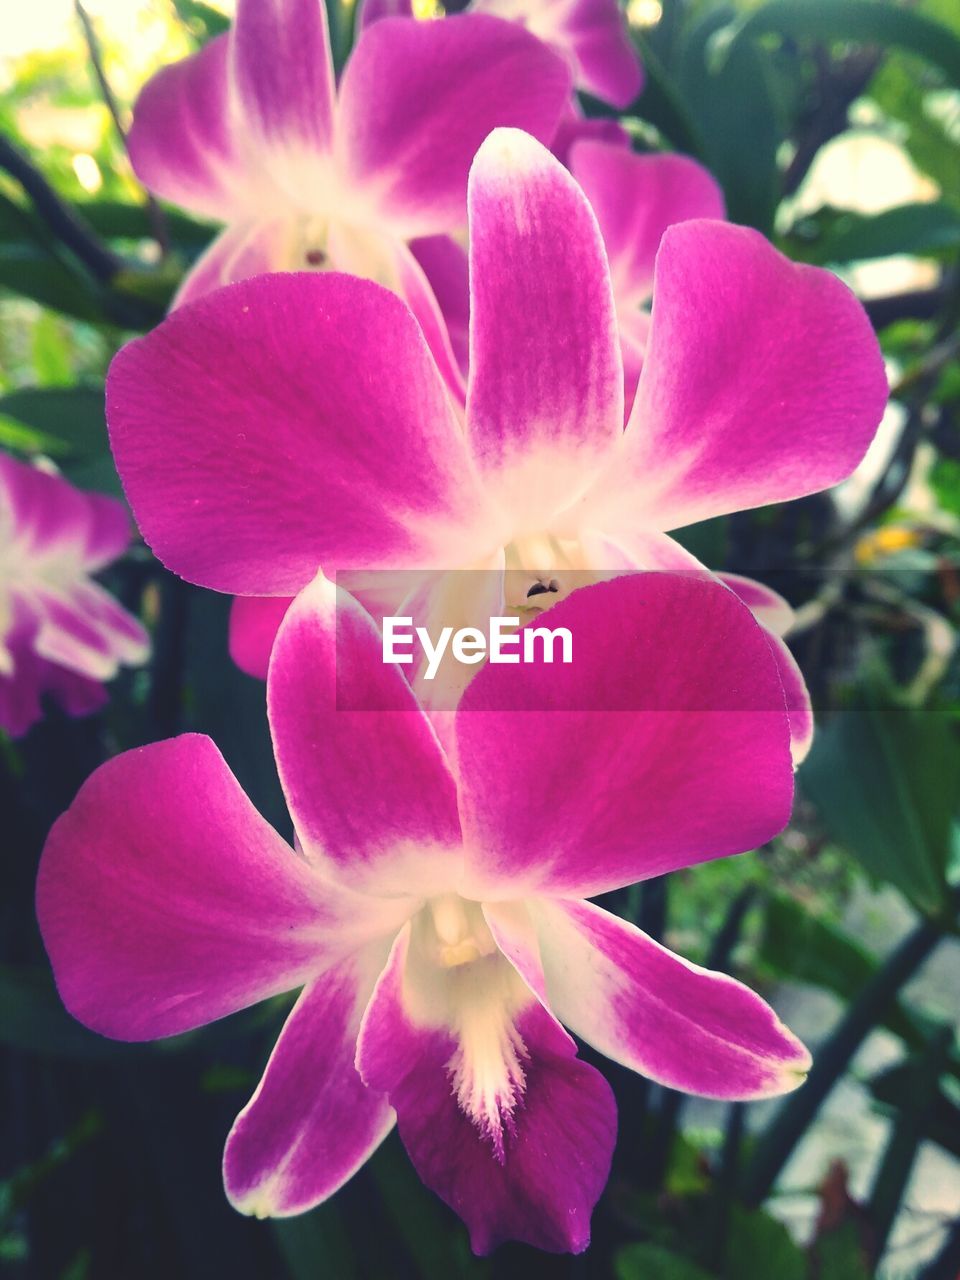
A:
165, 901
312, 1122
418, 98
446, 1057
671, 721
369, 790
443, 261
254, 623
184, 144
282, 77
392, 264
249, 461
762, 381
686, 1027
636, 197
545, 391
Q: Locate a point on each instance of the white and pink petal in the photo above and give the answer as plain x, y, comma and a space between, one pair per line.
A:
685, 1027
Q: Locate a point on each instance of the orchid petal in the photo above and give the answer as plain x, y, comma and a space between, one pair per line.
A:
282, 77
636, 1002
418, 98
165, 901
671, 720
249, 461
444, 263
541, 1181
243, 250
371, 11
254, 623
545, 393
762, 381
311, 1122
371, 795
575, 127
635, 198
591, 34
183, 143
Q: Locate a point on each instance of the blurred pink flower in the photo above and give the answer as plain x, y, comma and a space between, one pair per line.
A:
60, 631
592, 36
435, 914
307, 174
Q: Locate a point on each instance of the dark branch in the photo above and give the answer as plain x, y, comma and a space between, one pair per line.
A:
158, 222
102, 262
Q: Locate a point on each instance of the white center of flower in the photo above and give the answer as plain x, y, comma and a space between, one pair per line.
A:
459, 979
542, 570
461, 931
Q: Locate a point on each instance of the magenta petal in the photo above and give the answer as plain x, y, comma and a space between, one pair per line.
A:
556, 1152
165, 901
775, 614
243, 250
686, 1027
249, 460
254, 623
763, 380
576, 128
370, 11
591, 34
282, 76
662, 744
312, 1121
370, 793
546, 383
183, 141
635, 198
444, 263
418, 98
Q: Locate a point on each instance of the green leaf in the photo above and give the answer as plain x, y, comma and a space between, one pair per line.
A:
759, 1247
650, 1262
36, 274
33, 1019
806, 948
734, 113
896, 1087
202, 19
840, 1254
865, 21
115, 220
69, 420
886, 781
917, 229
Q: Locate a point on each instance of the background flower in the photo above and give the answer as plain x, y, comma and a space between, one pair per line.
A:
61, 633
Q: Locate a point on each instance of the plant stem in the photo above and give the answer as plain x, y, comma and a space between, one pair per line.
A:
793, 1119
908, 1132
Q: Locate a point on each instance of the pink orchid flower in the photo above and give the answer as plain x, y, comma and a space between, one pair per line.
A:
295, 422
591, 35
434, 915
254, 131
60, 632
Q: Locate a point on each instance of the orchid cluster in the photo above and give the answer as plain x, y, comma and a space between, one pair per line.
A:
345, 393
